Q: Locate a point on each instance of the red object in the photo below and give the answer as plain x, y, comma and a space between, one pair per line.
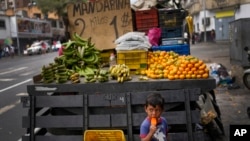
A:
43, 45
146, 19
60, 51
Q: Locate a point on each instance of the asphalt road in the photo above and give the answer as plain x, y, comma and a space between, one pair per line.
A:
15, 74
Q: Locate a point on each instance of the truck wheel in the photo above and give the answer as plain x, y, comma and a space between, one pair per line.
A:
246, 80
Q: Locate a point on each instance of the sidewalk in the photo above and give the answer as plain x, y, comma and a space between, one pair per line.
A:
232, 103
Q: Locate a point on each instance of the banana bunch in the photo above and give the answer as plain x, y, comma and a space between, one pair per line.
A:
120, 72
189, 21
100, 76
47, 74
61, 74
75, 78
83, 72
103, 75
79, 53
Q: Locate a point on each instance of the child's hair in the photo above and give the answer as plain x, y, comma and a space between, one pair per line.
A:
155, 99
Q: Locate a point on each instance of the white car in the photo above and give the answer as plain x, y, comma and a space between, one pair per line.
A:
36, 48
56, 46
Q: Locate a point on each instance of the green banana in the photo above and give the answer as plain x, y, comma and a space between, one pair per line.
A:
71, 61
78, 38
68, 44
69, 52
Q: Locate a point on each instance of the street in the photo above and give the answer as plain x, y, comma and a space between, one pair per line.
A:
15, 74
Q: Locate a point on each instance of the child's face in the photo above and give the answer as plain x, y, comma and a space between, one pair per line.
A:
153, 112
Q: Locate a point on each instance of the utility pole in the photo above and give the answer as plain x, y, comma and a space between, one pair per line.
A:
17, 36
204, 21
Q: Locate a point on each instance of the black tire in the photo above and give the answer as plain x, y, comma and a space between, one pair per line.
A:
246, 80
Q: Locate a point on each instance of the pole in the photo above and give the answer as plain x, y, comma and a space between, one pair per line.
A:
205, 21
17, 36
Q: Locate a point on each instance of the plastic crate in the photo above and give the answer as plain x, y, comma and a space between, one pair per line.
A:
134, 59
172, 41
105, 54
104, 135
180, 49
171, 18
171, 32
146, 19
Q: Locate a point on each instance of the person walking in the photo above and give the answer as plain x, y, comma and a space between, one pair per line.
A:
213, 35
1, 51
12, 51
43, 48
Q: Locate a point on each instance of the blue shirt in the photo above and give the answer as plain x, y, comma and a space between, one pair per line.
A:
161, 132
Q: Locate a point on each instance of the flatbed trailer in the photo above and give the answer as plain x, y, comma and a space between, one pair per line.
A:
71, 109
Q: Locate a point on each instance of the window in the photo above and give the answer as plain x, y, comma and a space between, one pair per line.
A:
53, 23
37, 15
207, 21
2, 24
60, 24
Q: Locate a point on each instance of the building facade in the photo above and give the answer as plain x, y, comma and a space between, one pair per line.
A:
217, 15
24, 23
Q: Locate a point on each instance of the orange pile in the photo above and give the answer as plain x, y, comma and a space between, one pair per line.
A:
170, 65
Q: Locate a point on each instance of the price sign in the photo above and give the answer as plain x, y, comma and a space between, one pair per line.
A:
102, 20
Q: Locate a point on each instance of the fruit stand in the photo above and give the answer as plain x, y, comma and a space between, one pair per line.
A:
63, 112
74, 94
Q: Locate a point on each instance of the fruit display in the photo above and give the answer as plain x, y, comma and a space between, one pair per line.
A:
120, 72
170, 65
101, 75
75, 78
48, 74
79, 54
61, 74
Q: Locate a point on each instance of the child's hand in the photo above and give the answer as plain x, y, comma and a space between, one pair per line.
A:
152, 129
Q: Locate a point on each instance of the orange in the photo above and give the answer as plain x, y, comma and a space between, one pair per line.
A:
188, 76
203, 66
198, 76
205, 75
182, 76
193, 76
171, 77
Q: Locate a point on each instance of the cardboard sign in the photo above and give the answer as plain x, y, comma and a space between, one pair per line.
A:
102, 20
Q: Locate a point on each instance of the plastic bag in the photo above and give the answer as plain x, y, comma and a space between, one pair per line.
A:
131, 36
154, 35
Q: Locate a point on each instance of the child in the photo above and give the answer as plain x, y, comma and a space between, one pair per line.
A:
154, 107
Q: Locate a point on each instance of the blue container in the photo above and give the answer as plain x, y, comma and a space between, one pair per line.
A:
180, 49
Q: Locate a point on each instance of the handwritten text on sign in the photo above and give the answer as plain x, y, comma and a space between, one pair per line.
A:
103, 20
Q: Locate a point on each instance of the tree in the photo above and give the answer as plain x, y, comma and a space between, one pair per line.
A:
59, 7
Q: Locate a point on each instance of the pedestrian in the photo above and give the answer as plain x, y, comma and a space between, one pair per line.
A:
213, 35
193, 38
1, 51
154, 131
12, 51
60, 50
6, 51
43, 47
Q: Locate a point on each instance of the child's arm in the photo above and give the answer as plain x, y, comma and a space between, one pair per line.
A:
150, 134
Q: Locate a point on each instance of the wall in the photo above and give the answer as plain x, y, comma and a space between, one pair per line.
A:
198, 19
5, 33
243, 12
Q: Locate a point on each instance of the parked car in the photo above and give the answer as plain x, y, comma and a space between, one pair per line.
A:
56, 46
36, 48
